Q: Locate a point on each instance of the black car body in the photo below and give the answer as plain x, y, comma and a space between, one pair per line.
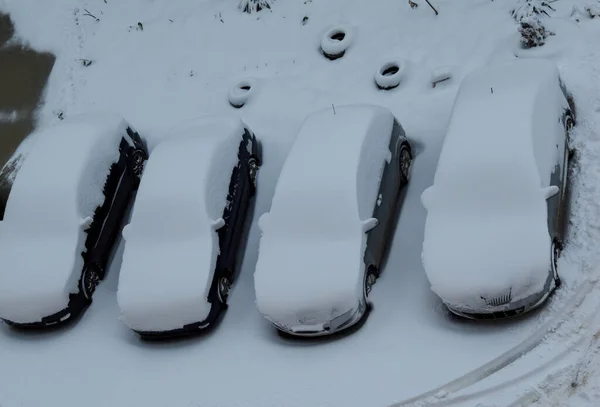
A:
182, 286
110, 155
509, 175
332, 219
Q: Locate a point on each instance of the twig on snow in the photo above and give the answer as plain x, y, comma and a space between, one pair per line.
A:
433, 8
412, 4
87, 13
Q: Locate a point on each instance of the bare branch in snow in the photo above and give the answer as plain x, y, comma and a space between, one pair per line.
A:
87, 13
412, 4
252, 6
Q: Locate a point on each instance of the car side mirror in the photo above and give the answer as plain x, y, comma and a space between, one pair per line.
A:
125, 231
86, 222
550, 191
262, 221
369, 224
426, 197
218, 224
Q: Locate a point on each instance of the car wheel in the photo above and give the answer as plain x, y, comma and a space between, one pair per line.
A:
253, 171
370, 280
138, 159
405, 160
89, 281
556, 251
223, 289
569, 123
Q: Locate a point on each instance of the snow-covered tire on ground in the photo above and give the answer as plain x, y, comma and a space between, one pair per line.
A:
556, 250
335, 42
390, 74
241, 92
89, 281
370, 280
405, 162
223, 288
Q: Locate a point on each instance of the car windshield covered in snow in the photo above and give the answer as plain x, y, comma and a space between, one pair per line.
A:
303, 211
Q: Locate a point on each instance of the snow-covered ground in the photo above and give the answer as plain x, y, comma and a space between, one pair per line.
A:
160, 62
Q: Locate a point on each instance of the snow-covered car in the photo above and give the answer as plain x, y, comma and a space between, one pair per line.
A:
189, 228
331, 218
496, 214
63, 215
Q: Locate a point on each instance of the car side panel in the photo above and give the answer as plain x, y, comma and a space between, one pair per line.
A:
386, 202
564, 186
230, 235
556, 204
116, 192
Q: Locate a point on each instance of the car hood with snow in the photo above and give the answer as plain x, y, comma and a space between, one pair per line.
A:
172, 244
310, 267
55, 193
486, 232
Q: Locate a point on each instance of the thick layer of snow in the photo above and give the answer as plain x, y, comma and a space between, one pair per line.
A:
171, 243
489, 193
42, 236
309, 269
408, 345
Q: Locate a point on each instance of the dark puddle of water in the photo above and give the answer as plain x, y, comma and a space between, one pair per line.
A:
23, 75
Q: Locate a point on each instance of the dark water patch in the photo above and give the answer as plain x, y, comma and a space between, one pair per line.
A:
23, 76
6, 29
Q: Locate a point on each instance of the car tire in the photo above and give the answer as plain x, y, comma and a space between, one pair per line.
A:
223, 289
370, 280
90, 277
556, 250
137, 163
390, 74
253, 166
569, 123
404, 162
335, 42
240, 94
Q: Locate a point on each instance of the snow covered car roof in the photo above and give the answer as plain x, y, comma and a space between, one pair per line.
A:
42, 236
312, 246
171, 243
486, 230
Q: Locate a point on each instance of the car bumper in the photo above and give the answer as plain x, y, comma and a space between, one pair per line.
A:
77, 304
187, 330
509, 310
338, 324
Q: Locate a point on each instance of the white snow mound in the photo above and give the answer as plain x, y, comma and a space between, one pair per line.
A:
60, 184
486, 230
172, 245
310, 265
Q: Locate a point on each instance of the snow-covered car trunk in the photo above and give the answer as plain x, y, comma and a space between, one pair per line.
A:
487, 244
51, 203
172, 242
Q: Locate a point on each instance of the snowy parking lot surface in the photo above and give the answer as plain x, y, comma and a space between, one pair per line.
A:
159, 63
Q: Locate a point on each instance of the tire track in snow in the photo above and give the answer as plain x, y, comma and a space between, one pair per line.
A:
548, 389
476, 375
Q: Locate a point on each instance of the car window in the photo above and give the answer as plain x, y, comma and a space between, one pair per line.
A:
371, 166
